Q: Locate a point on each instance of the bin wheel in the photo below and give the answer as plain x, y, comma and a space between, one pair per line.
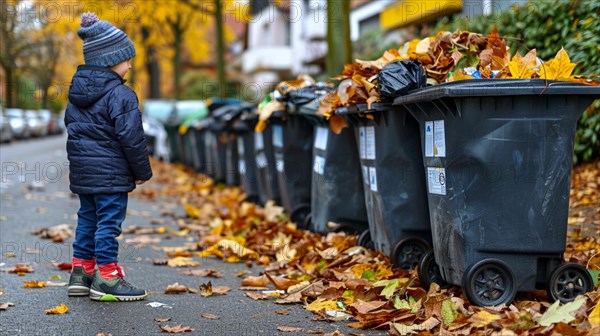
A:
365, 241
489, 282
299, 215
429, 271
568, 281
408, 252
307, 224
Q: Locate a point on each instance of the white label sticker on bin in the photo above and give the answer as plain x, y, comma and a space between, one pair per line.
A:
278, 136
439, 138
321, 138
261, 160
242, 167
373, 178
279, 165
240, 146
319, 166
428, 139
362, 142
370, 142
258, 141
365, 171
436, 180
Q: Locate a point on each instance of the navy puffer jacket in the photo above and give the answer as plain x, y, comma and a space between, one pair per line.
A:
106, 146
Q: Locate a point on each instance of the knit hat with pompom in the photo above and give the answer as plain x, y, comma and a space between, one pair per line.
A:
103, 44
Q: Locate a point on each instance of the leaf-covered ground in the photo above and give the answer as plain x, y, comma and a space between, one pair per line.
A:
338, 280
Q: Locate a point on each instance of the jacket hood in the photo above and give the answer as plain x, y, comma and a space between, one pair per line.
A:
90, 83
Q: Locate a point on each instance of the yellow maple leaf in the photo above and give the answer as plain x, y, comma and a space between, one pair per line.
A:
60, 309
522, 67
559, 68
321, 304
182, 262
594, 316
483, 318
34, 284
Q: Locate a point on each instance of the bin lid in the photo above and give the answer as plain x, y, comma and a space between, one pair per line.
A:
215, 103
363, 108
497, 87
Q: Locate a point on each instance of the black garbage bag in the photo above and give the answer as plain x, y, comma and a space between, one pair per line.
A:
399, 77
305, 95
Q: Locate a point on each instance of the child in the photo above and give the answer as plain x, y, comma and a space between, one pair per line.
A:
107, 156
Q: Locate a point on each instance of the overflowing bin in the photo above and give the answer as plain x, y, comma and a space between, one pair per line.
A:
389, 148
498, 156
337, 190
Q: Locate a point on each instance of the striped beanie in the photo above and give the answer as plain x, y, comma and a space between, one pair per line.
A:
103, 44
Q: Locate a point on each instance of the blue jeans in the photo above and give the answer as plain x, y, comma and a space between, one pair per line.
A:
98, 225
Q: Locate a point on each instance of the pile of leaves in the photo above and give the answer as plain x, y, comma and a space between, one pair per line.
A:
337, 280
446, 57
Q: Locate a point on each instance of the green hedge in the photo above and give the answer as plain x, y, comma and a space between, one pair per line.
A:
547, 26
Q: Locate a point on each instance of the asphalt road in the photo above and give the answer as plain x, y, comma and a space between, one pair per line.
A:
24, 209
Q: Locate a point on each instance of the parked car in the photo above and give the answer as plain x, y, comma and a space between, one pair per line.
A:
59, 123
18, 123
5, 131
46, 116
36, 124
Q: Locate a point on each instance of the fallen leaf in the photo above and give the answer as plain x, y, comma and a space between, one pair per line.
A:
183, 262
557, 313
64, 266
594, 316
320, 305
176, 288
483, 318
221, 290
206, 289
202, 272
449, 312
160, 262
55, 284
428, 325
256, 296
241, 274
34, 284
21, 269
282, 311
175, 329
366, 307
281, 283
256, 281
210, 316
60, 309
161, 320
289, 329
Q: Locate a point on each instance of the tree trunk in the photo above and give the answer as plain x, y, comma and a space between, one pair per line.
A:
177, 63
221, 76
152, 67
9, 87
339, 51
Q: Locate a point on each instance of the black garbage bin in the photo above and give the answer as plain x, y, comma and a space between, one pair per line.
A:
198, 152
498, 157
243, 127
266, 176
394, 184
175, 141
218, 140
337, 190
292, 141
